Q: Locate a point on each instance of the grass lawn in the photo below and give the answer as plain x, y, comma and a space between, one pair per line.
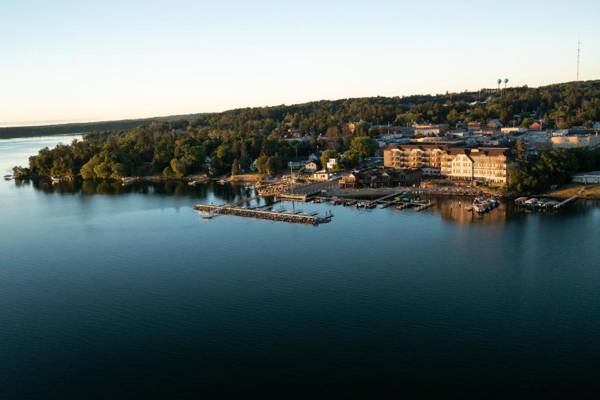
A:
566, 191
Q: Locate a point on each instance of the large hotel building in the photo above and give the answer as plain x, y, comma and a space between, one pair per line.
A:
486, 164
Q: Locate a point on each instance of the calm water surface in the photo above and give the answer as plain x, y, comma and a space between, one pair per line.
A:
108, 292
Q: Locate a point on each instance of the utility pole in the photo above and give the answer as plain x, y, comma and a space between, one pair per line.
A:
578, 56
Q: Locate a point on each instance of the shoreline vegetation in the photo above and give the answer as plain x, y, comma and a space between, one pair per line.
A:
255, 142
585, 192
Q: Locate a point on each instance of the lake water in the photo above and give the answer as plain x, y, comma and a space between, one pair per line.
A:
108, 292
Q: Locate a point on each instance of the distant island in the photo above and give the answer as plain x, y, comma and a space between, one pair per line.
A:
340, 135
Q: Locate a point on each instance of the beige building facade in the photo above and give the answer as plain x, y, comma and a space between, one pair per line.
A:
485, 164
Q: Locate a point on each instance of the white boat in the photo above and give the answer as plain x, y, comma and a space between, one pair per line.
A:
8, 177
521, 200
482, 204
206, 215
56, 178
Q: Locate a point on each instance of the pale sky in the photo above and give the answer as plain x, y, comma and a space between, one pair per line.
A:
100, 60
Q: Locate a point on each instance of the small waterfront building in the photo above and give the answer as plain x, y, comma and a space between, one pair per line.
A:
380, 177
587, 178
348, 181
320, 176
311, 166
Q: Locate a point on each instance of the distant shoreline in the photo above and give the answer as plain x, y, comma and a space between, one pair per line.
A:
83, 128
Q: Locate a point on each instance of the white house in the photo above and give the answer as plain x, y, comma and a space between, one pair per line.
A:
332, 163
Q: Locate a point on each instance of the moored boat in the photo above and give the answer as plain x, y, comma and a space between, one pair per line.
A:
483, 204
206, 215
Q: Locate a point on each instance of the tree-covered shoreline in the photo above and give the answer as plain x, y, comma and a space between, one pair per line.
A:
552, 167
266, 138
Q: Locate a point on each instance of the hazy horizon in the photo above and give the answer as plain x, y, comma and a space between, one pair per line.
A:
16, 124
85, 62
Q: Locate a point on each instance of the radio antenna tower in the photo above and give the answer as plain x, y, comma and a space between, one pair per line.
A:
578, 56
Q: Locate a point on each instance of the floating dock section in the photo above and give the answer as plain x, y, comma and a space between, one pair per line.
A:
299, 218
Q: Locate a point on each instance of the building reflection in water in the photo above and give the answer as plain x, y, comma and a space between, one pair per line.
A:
458, 210
455, 209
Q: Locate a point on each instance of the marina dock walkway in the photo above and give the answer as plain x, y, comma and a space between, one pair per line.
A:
283, 216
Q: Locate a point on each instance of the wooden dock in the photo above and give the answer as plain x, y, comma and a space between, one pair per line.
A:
389, 196
298, 218
424, 206
305, 192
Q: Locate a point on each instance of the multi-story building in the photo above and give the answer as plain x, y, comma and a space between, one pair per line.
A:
427, 157
486, 164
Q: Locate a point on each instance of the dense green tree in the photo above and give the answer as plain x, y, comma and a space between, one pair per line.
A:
261, 164
552, 167
273, 164
520, 151
351, 158
326, 155
364, 146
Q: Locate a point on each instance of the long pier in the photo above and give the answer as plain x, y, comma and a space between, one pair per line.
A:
567, 201
283, 216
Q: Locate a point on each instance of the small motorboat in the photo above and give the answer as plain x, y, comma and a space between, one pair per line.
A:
8, 177
206, 215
